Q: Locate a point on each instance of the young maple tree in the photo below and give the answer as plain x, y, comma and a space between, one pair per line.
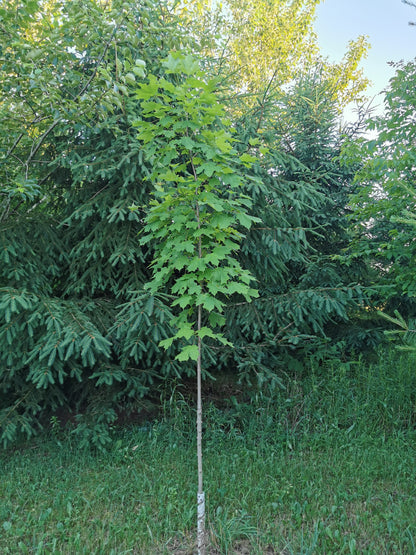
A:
196, 213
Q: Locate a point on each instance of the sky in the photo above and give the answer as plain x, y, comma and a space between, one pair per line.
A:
386, 25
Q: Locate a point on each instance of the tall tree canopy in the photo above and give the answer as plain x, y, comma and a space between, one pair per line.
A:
384, 204
76, 330
252, 43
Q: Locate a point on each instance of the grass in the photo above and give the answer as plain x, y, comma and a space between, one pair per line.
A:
325, 466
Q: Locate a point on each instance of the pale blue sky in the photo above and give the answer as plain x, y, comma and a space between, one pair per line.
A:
385, 22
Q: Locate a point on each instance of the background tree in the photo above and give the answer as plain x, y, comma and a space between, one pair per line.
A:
75, 330
304, 292
71, 167
250, 43
384, 203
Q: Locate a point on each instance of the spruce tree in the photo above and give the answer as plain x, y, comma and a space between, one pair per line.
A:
77, 331
71, 167
302, 202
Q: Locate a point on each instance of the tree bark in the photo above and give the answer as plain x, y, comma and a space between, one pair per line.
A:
201, 494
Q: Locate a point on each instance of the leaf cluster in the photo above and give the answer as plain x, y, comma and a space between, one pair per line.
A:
198, 203
384, 202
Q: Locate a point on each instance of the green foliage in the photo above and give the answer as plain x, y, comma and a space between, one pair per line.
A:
304, 289
78, 330
384, 203
198, 202
404, 330
71, 166
250, 42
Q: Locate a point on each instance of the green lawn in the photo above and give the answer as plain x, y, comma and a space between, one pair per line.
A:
330, 468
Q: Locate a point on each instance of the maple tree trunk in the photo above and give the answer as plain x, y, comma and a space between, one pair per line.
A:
201, 494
